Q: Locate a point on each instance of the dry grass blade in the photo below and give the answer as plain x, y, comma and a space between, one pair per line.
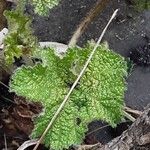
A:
87, 147
4, 84
129, 110
100, 128
7, 99
75, 83
127, 115
5, 142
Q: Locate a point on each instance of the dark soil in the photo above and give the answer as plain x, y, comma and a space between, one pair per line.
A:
128, 35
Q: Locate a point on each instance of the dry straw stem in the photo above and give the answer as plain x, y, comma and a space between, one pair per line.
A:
4, 84
75, 83
27, 144
132, 111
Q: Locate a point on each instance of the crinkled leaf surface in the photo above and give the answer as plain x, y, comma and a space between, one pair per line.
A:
42, 6
19, 40
66, 129
37, 84
99, 94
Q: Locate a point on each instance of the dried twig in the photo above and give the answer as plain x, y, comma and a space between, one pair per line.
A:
86, 147
137, 135
27, 144
133, 111
127, 115
75, 83
4, 84
100, 128
7, 99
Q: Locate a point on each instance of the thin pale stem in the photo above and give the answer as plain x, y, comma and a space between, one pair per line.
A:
133, 111
9, 100
75, 83
127, 115
4, 84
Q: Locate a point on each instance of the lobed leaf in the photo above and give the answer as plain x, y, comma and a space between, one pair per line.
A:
99, 94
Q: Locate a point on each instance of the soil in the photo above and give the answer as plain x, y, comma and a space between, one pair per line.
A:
128, 35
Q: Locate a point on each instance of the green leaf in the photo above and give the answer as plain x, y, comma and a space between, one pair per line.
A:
19, 41
99, 94
38, 83
43, 83
102, 88
66, 130
67, 68
42, 6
